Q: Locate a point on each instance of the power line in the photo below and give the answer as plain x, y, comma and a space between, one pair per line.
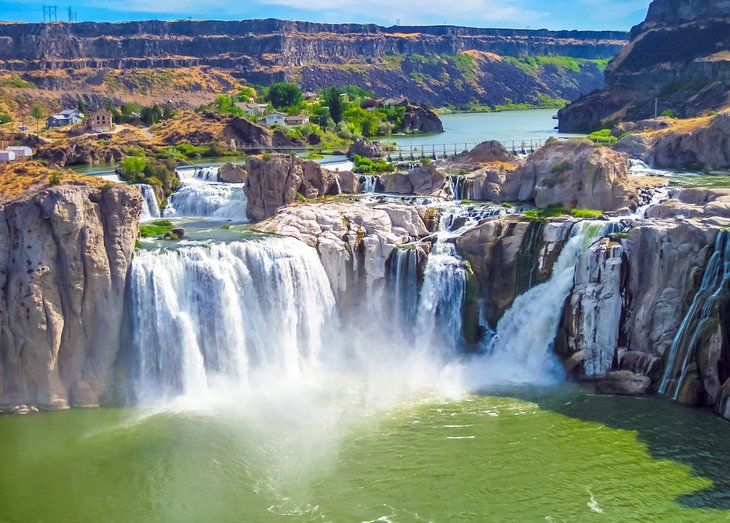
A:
50, 13
72, 16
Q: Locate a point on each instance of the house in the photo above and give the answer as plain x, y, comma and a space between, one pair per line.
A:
309, 95
275, 118
251, 109
100, 121
21, 152
7, 156
393, 101
296, 120
64, 118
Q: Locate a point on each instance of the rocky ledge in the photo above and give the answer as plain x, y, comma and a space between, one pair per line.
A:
64, 255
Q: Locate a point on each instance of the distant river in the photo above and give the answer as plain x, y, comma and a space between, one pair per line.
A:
474, 128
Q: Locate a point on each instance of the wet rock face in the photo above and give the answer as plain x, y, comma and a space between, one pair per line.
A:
623, 383
425, 180
64, 257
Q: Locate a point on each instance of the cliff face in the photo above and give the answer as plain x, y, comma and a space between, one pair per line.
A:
679, 56
319, 55
64, 256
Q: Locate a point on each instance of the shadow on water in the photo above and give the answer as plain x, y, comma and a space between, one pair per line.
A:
697, 438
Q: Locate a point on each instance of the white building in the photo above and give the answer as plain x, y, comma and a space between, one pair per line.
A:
296, 120
252, 109
275, 118
7, 156
21, 151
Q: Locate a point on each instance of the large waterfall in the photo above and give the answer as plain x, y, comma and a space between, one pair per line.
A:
520, 351
203, 314
714, 287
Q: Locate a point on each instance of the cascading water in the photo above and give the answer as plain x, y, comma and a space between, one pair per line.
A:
403, 288
150, 209
520, 351
715, 285
458, 185
222, 312
369, 183
208, 174
213, 200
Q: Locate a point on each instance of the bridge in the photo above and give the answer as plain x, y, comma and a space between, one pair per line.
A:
412, 152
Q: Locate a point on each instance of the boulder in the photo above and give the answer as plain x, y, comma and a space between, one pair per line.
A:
232, 173
366, 149
488, 152
623, 383
420, 120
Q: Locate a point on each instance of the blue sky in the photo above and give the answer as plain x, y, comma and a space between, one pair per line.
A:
553, 14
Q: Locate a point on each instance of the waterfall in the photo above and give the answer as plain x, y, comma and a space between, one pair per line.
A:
213, 200
207, 314
714, 285
369, 183
150, 209
208, 174
520, 351
403, 289
458, 185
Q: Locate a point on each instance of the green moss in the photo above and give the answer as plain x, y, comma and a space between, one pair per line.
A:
586, 214
155, 229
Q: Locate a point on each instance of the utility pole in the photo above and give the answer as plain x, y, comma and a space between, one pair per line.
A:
72, 17
50, 13
656, 108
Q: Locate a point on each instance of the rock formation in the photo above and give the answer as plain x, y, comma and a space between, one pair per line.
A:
677, 60
232, 173
64, 256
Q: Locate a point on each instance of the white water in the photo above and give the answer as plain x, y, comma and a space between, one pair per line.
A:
369, 183
520, 352
150, 209
196, 198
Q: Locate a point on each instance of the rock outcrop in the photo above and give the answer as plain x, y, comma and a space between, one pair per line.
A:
275, 180
64, 256
232, 173
419, 120
677, 60
354, 241
424, 180
703, 145
366, 149
574, 174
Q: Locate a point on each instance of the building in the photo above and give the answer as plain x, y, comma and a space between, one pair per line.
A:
21, 152
64, 118
296, 120
252, 109
7, 156
393, 101
275, 118
100, 121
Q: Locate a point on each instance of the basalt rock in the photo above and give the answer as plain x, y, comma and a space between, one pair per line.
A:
366, 149
418, 119
232, 173
64, 256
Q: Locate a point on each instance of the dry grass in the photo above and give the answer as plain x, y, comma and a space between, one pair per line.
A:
683, 126
20, 178
189, 127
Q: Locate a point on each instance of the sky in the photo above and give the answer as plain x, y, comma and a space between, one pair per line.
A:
533, 14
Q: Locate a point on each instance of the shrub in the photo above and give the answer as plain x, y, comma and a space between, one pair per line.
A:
587, 214
156, 229
670, 113
603, 137
55, 178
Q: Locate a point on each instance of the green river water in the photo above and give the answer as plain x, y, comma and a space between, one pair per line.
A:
552, 455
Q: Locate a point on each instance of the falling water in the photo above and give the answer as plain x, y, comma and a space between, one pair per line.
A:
208, 174
203, 314
714, 286
403, 288
369, 183
217, 201
521, 349
458, 185
150, 209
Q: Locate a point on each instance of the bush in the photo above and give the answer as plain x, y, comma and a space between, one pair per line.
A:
5, 118
670, 113
156, 229
55, 178
586, 214
603, 137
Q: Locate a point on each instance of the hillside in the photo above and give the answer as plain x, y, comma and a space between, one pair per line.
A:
678, 61
438, 66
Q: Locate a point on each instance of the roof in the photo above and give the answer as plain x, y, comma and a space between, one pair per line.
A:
70, 112
276, 113
298, 117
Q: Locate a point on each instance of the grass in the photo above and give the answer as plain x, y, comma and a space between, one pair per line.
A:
555, 211
603, 137
155, 229
17, 179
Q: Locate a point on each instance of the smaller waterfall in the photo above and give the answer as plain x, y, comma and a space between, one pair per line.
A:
458, 185
714, 285
369, 183
640, 168
403, 287
521, 349
207, 174
212, 200
150, 209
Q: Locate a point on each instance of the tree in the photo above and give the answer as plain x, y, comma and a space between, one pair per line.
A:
37, 113
332, 97
80, 106
285, 95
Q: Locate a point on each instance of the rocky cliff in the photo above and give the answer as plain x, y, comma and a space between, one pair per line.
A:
678, 59
410, 61
64, 255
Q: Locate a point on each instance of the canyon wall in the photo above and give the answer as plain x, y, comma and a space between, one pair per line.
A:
64, 256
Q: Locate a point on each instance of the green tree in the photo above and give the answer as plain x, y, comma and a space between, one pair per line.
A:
285, 95
5, 118
332, 98
132, 167
80, 106
37, 113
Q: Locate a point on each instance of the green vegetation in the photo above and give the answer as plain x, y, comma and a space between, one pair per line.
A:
16, 82
365, 165
670, 113
55, 178
284, 95
139, 169
5, 118
603, 137
532, 64
156, 229
554, 211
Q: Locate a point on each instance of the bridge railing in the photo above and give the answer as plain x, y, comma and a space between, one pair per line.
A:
437, 151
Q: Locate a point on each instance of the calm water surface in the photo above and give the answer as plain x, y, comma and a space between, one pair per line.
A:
517, 455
